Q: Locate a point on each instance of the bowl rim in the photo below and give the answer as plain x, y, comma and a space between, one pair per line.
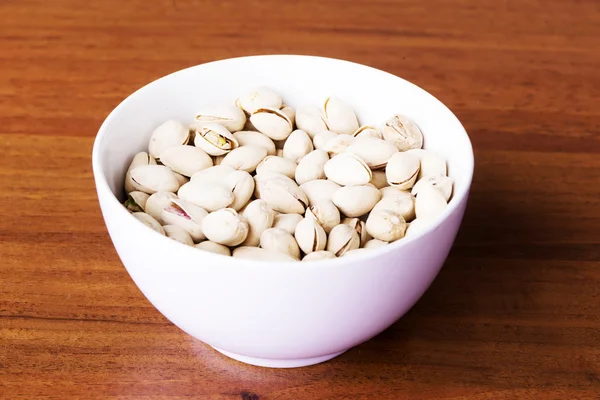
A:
458, 197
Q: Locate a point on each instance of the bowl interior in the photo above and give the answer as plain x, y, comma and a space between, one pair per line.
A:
375, 96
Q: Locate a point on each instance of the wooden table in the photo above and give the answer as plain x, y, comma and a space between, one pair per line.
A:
515, 312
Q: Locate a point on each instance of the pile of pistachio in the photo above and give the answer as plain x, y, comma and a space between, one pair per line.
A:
260, 180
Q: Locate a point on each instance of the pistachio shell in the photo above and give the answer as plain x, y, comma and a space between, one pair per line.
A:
403, 133
245, 158
213, 138
326, 214
213, 247
260, 216
149, 221
318, 255
287, 222
338, 144
367, 131
218, 174
272, 122
417, 226
347, 169
279, 240
186, 160
169, 134
179, 234
259, 254
402, 170
310, 120
360, 227
311, 167
379, 179
278, 165
430, 203
441, 182
319, 189
402, 204
386, 225
354, 252
141, 158
210, 196
157, 202
259, 97
342, 238
297, 145
186, 215
136, 201
154, 178
431, 162
225, 226
241, 184
375, 243
391, 191
310, 236
246, 138
282, 194
374, 152
182, 180
339, 116
321, 139
354, 201
290, 112
230, 116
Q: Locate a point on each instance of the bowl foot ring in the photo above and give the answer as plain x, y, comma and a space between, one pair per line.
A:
279, 363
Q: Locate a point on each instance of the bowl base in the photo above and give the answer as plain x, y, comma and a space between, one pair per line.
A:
279, 363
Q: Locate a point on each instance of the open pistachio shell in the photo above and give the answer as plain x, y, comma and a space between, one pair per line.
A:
319, 189
311, 167
259, 254
230, 116
339, 116
402, 170
141, 158
441, 182
282, 194
347, 169
321, 138
241, 185
403, 133
310, 236
272, 122
354, 201
186, 160
213, 247
186, 215
310, 120
360, 227
326, 214
290, 112
157, 202
367, 131
213, 138
287, 222
245, 158
278, 165
402, 203
279, 240
318, 255
210, 196
374, 152
386, 225
260, 216
259, 97
179, 234
169, 134
297, 145
246, 138
342, 238
154, 178
338, 144
136, 201
430, 203
225, 226
149, 221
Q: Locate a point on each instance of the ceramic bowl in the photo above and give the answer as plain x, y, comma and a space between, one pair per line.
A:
266, 313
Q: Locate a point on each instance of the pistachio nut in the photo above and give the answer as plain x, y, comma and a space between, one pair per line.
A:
360, 227
225, 226
402, 170
170, 133
246, 138
403, 133
179, 234
287, 222
282, 194
278, 165
354, 201
217, 174
441, 182
272, 122
213, 138
186, 215
154, 178
368, 131
376, 243
210, 196
430, 203
354, 252
259, 97
230, 116
374, 152
391, 191
260, 216
141, 158
431, 163
185, 160
379, 179
290, 112
149, 221
322, 138
281, 241
310, 120
311, 167
310, 236
326, 214
297, 145
260, 254
318, 255
136, 201
241, 184
347, 169
342, 238
386, 225
338, 144
213, 247
319, 189
157, 202
417, 226
339, 116
402, 204
245, 158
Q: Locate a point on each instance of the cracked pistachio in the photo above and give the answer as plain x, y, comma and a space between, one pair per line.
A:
213, 138
272, 122
154, 178
402, 170
260, 216
403, 133
311, 167
281, 241
247, 138
297, 145
430, 203
186, 215
374, 152
259, 97
386, 225
342, 239
441, 182
319, 189
141, 158
178, 233
186, 160
230, 116
402, 203
245, 158
310, 120
287, 222
338, 144
326, 214
357, 200
282, 194
360, 227
310, 236
339, 116
367, 131
210, 196
149, 221
347, 169
241, 185
136, 201
290, 112
157, 202
169, 134
225, 226
275, 164
321, 139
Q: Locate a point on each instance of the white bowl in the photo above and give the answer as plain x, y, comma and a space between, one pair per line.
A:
265, 313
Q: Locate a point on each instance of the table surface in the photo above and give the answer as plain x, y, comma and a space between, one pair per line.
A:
515, 312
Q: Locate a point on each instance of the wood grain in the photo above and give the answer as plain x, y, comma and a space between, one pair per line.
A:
515, 312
